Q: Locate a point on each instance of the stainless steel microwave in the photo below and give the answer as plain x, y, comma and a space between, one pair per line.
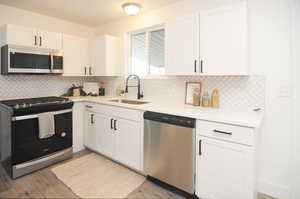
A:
21, 60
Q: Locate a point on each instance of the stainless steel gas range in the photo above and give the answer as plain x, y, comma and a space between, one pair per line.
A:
34, 133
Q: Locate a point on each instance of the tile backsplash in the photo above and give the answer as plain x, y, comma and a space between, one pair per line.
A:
27, 86
237, 92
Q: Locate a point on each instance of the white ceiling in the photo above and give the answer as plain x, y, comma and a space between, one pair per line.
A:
86, 12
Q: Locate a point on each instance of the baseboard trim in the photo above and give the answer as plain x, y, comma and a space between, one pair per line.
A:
274, 190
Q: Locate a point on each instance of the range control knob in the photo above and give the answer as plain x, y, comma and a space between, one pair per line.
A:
63, 134
17, 106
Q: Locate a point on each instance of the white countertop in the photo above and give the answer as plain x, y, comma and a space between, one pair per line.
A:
248, 119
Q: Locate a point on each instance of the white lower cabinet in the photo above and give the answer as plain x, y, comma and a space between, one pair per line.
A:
106, 143
115, 137
78, 127
90, 131
224, 169
128, 142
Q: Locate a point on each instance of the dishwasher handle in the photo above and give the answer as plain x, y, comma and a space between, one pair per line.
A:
170, 119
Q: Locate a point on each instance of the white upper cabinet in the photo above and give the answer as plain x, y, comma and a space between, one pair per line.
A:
18, 35
50, 40
76, 58
182, 45
30, 37
223, 41
105, 56
214, 42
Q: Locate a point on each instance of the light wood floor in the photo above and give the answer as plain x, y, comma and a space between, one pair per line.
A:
44, 184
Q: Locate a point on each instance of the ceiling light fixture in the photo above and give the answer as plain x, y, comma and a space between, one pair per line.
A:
131, 8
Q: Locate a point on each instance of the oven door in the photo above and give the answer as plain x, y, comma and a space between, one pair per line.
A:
26, 144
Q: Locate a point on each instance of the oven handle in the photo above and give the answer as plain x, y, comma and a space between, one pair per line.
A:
26, 117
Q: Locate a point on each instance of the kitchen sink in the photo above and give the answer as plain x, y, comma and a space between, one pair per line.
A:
124, 101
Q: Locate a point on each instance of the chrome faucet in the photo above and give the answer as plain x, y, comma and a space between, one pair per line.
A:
139, 94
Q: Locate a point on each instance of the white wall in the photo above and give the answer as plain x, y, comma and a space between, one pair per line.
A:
159, 16
270, 54
10, 15
296, 107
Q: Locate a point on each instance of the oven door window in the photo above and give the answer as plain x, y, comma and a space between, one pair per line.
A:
26, 144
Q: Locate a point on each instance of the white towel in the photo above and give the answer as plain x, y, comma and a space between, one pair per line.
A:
46, 125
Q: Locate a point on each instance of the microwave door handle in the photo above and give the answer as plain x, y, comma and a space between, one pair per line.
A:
51, 62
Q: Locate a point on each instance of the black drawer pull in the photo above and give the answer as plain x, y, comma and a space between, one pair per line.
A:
222, 132
195, 66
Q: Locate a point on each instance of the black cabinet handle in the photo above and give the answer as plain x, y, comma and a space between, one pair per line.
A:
201, 66
40, 41
92, 118
195, 66
35, 40
222, 132
200, 147
111, 123
90, 70
84, 70
115, 125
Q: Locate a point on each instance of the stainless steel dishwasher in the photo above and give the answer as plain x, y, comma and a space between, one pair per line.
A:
169, 149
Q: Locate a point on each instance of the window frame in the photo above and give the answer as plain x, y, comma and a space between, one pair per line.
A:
128, 50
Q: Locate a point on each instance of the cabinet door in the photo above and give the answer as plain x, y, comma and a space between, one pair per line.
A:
224, 170
106, 135
182, 45
105, 56
50, 40
90, 131
223, 41
128, 143
97, 56
75, 55
78, 126
22, 36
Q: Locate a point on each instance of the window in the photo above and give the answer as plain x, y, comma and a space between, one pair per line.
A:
148, 52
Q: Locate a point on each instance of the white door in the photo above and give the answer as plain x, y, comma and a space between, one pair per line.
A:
90, 131
75, 55
97, 56
224, 170
106, 135
78, 126
50, 40
182, 45
105, 56
22, 36
223, 41
128, 143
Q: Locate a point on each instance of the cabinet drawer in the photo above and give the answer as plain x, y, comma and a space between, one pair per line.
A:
237, 134
119, 112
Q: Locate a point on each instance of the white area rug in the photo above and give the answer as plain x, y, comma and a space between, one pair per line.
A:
93, 176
